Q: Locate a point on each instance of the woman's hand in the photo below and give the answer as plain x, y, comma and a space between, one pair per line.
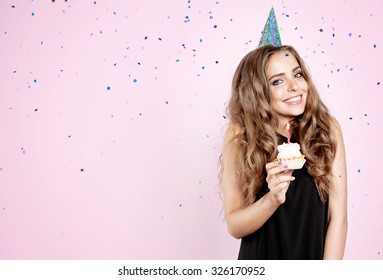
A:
278, 180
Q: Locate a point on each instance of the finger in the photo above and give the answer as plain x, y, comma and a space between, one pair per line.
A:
272, 165
282, 187
277, 169
288, 172
281, 179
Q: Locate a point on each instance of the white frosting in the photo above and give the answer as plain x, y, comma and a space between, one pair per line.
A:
289, 150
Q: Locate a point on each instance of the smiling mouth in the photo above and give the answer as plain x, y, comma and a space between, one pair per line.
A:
293, 99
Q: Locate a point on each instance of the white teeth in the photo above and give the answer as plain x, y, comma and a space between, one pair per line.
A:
294, 99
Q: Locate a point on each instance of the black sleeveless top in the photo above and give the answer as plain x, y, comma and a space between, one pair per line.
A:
296, 230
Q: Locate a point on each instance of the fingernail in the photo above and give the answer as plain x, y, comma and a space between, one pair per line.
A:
286, 166
280, 162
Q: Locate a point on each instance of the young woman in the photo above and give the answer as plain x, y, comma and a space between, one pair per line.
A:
277, 212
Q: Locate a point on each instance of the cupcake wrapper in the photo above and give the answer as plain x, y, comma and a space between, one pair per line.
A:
293, 163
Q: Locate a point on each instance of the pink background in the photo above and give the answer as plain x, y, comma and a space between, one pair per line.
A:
112, 118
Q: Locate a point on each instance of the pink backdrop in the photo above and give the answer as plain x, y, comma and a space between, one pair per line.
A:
112, 117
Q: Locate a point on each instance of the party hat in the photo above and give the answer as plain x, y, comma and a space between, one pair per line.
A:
270, 33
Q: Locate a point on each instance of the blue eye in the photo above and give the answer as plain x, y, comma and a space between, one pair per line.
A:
277, 82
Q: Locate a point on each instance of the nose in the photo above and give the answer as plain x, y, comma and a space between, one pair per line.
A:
293, 85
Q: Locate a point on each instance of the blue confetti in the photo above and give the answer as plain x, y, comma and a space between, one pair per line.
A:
108, 87
134, 80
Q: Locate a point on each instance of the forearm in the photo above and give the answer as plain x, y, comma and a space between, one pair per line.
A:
245, 221
335, 239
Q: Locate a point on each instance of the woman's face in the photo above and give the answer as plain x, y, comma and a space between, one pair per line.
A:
288, 87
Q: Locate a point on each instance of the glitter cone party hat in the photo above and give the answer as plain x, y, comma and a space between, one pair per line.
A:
270, 33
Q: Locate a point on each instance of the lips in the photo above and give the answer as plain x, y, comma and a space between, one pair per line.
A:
293, 99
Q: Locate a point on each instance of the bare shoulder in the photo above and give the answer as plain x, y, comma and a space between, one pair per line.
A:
336, 129
335, 124
231, 132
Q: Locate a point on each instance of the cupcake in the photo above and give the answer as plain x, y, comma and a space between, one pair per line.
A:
289, 154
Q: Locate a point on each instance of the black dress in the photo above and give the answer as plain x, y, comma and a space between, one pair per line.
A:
296, 230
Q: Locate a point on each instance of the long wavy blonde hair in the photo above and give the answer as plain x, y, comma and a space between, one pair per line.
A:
256, 141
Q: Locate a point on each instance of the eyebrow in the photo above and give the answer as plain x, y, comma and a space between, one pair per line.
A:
281, 74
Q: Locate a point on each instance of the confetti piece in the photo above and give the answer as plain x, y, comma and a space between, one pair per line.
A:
134, 80
108, 87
